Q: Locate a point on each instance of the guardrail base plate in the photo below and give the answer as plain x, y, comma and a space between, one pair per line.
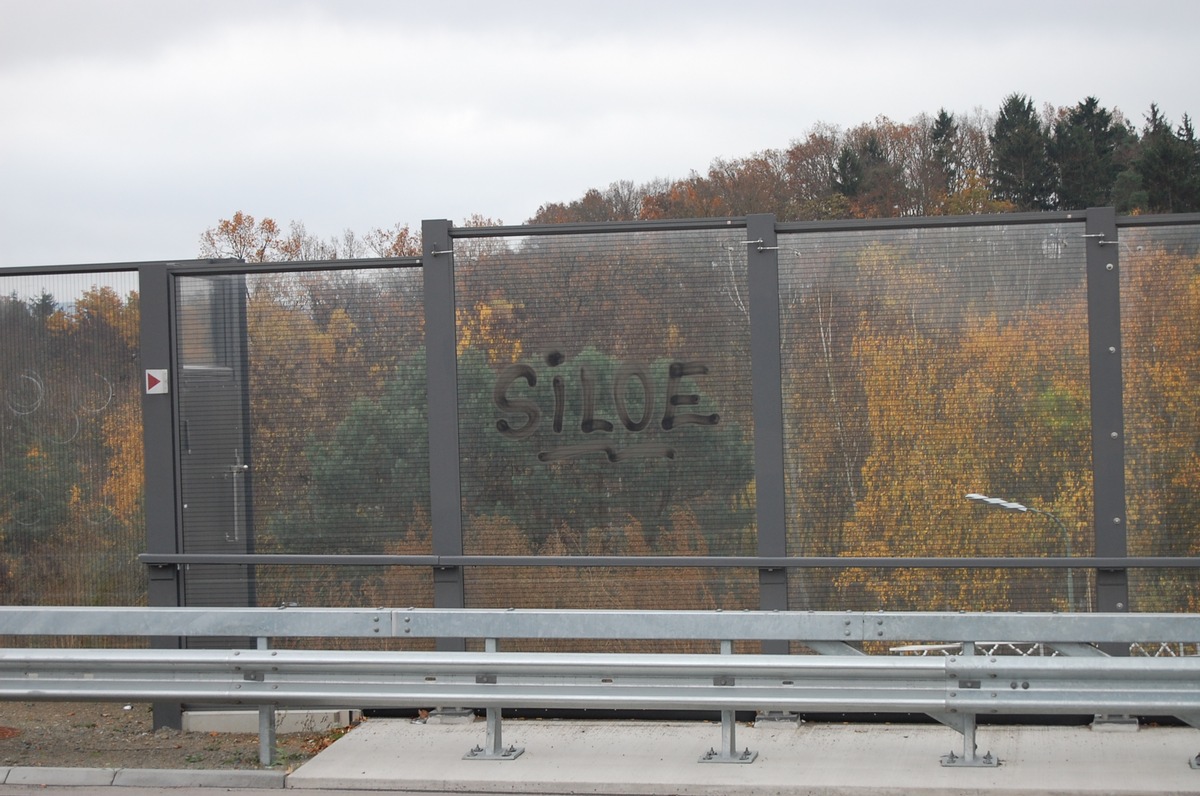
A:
713, 756
962, 761
479, 753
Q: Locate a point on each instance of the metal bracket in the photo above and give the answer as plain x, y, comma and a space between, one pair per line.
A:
1099, 236
758, 245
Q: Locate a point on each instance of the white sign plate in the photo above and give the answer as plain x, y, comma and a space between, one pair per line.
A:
156, 381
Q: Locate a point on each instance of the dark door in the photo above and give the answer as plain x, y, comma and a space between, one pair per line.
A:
214, 449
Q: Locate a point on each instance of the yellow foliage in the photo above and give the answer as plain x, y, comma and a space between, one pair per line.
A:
489, 327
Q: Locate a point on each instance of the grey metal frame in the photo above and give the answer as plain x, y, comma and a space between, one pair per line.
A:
163, 555
445, 496
1108, 425
1111, 561
762, 263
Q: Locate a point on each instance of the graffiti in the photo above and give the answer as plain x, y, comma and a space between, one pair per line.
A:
605, 413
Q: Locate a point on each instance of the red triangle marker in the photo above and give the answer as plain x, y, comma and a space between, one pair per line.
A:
152, 381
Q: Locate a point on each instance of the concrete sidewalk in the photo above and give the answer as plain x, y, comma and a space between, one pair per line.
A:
651, 758
643, 757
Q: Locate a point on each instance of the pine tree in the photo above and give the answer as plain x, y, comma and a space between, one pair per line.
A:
1168, 164
1021, 169
944, 135
1083, 151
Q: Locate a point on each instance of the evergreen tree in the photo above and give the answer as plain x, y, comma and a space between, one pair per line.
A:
944, 135
1021, 169
1168, 165
1083, 150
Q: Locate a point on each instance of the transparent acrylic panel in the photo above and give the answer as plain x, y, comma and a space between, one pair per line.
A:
1175, 590
922, 365
954, 589
302, 417
604, 402
1160, 336
615, 588
71, 477
323, 586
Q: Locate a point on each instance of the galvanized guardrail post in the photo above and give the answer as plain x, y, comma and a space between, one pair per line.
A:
494, 748
966, 724
266, 722
728, 752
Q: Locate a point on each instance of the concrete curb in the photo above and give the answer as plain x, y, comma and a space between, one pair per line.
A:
143, 777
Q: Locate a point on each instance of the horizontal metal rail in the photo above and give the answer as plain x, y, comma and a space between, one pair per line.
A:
798, 626
716, 562
976, 684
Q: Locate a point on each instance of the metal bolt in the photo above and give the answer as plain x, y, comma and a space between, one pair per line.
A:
1120, 606
1114, 435
1109, 267
1112, 349
1116, 520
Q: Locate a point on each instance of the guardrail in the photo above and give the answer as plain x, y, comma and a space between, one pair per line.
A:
953, 688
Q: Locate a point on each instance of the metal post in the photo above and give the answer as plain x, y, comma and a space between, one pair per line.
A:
158, 441
762, 264
494, 748
728, 752
1108, 424
966, 724
266, 723
441, 363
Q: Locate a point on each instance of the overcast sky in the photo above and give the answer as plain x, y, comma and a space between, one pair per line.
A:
128, 127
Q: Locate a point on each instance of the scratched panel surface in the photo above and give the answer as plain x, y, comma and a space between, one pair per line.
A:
71, 485
604, 408
923, 365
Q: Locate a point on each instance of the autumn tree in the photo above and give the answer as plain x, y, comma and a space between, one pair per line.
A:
1160, 302
251, 240
70, 450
